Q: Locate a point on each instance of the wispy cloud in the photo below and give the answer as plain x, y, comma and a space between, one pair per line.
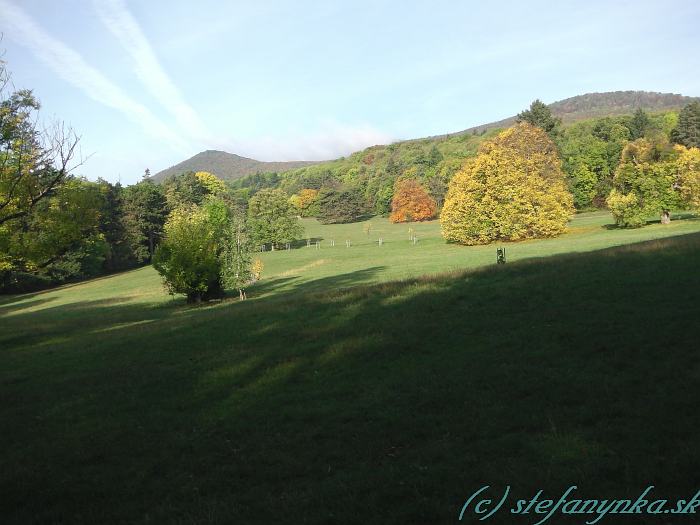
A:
117, 18
70, 65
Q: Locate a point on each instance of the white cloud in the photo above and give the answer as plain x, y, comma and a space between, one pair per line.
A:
70, 65
117, 18
331, 141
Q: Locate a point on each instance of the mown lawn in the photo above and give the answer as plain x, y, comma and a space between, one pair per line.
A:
383, 403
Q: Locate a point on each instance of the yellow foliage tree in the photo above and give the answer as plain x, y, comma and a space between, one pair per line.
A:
513, 189
211, 182
688, 182
306, 202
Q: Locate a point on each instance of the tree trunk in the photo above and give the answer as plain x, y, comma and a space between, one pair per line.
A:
150, 244
665, 217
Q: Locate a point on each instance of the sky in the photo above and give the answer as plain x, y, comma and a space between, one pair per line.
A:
149, 84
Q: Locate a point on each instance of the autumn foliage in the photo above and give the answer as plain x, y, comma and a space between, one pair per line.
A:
513, 189
306, 202
411, 202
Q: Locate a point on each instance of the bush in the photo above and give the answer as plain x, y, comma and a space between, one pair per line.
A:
625, 209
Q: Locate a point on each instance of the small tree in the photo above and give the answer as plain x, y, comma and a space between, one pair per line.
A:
188, 257
236, 259
411, 202
638, 124
434, 156
688, 183
540, 115
272, 218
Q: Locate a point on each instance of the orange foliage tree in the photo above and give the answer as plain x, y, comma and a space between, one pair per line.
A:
411, 202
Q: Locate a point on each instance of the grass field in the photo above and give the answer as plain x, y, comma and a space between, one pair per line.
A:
398, 258
389, 402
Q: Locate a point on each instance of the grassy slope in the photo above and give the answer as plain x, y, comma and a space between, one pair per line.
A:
398, 258
388, 403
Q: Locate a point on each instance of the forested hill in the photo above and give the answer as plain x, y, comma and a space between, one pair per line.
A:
607, 104
230, 167
227, 166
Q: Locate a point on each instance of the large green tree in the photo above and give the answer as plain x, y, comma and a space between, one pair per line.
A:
145, 212
113, 227
59, 240
687, 132
272, 218
341, 205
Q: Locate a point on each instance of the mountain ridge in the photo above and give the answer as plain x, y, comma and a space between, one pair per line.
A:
229, 166
588, 105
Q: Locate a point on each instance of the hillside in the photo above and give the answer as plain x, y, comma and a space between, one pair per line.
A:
611, 103
227, 166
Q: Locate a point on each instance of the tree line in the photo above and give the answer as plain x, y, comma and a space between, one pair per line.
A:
200, 232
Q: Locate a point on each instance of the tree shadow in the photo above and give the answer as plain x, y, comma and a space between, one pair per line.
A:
8, 307
304, 243
681, 216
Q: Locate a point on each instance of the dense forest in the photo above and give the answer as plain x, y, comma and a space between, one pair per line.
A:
590, 151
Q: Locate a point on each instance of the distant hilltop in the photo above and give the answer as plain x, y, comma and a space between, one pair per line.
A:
228, 166
593, 105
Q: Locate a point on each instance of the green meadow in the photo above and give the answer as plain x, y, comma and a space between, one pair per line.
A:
369, 384
399, 258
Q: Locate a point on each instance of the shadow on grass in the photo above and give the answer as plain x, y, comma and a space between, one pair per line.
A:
388, 403
27, 301
680, 216
284, 286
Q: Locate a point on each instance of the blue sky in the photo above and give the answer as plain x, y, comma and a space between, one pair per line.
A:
148, 84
